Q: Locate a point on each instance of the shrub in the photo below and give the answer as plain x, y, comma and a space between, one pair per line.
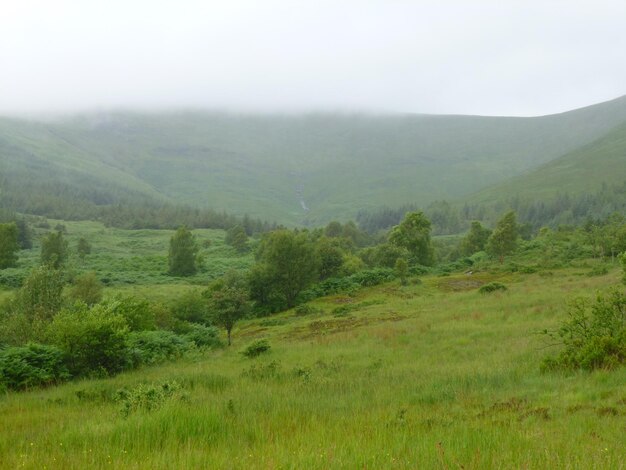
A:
622, 259
593, 336
598, 271
305, 309
93, 340
191, 307
147, 397
32, 365
492, 287
137, 313
263, 371
204, 336
373, 277
153, 347
256, 348
87, 289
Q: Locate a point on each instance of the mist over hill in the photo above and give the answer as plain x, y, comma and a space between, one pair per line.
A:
295, 169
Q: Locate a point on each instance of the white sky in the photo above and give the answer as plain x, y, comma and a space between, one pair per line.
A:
466, 57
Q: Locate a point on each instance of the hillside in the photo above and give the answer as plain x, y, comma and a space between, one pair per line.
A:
582, 170
423, 376
290, 168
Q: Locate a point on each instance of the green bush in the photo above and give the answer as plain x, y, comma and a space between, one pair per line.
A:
94, 340
593, 336
598, 271
138, 314
204, 336
153, 347
190, 307
492, 287
147, 397
256, 348
31, 366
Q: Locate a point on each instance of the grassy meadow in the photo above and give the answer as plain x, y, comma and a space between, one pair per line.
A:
429, 375
134, 261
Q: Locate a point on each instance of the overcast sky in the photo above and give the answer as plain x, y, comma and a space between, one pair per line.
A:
504, 57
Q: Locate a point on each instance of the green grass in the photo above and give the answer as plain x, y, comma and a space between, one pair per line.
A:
434, 375
260, 164
135, 261
584, 170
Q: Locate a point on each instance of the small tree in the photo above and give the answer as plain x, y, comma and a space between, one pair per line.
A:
331, 257
87, 288
289, 264
8, 245
83, 249
182, 253
402, 270
237, 238
40, 296
503, 240
413, 233
475, 240
54, 250
228, 301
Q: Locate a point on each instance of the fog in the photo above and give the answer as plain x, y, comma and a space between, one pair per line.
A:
480, 57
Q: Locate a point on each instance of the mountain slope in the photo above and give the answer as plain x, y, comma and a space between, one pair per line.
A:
583, 170
293, 169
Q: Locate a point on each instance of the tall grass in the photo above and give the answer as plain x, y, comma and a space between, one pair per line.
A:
423, 377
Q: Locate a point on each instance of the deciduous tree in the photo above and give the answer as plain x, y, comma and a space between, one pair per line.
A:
182, 253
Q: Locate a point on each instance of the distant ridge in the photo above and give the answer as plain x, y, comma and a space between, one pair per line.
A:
295, 169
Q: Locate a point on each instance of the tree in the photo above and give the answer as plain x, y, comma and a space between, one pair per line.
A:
402, 270
40, 296
330, 256
24, 235
228, 301
87, 288
83, 248
8, 245
182, 253
288, 264
54, 250
413, 233
503, 240
475, 240
237, 238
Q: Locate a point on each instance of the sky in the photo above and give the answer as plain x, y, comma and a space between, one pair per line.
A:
504, 57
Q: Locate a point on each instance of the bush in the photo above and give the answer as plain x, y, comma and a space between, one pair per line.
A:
30, 366
191, 307
598, 271
138, 314
204, 336
306, 309
492, 287
593, 336
87, 289
373, 277
93, 340
256, 348
147, 397
153, 347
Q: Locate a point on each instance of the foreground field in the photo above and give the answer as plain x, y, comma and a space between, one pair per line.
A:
432, 375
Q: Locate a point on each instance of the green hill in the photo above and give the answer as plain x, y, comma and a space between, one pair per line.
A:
290, 168
582, 170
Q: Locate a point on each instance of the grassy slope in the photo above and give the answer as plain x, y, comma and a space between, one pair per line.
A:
135, 261
584, 169
259, 164
425, 376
